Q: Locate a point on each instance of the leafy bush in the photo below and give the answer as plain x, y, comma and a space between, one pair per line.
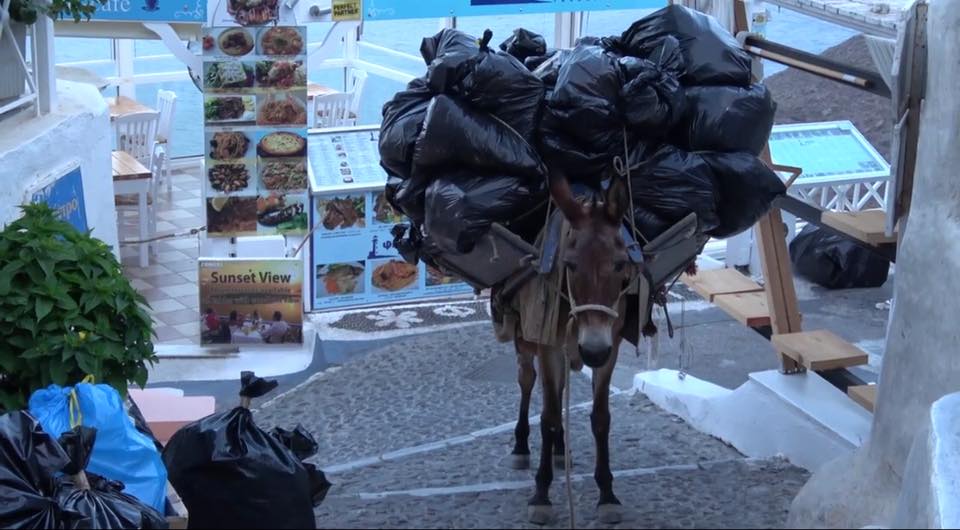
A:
26, 11
66, 311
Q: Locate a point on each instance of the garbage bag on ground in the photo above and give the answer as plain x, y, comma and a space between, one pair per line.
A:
492, 81
29, 460
121, 453
232, 474
101, 502
727, 118
711, 55
402, 120
836, 262
746, 187
671, 183
652, 98
524, 43
460, 207
455, 135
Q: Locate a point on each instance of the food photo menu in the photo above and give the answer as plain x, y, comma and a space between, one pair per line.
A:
255, 116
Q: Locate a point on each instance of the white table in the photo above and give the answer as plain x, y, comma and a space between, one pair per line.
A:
130, 177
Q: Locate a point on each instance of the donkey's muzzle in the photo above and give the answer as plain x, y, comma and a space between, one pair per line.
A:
595, 356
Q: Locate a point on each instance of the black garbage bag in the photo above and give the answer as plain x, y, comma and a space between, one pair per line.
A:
835, 262
455, 135
101, 502
582, 125
671, 183
447, 41
649, 224
534, 61
746, 188
29, 460
402, 120
460, 207
727, 118
652, 99
406, 195
492, 81
711, 55
524, 43
232, 474
302, 444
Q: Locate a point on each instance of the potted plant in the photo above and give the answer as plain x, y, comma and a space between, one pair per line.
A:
66, 311
22, 13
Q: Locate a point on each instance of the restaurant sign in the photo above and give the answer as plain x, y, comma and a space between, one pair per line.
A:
397, 9
65, 196
251, 301
188, 11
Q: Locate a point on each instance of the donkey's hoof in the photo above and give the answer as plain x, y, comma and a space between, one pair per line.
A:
519, 461
541, 514
610, 513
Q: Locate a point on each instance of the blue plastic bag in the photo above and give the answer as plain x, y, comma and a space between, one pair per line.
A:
121, 452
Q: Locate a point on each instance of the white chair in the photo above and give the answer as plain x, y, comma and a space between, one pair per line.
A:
166, 104
137, 135
333, 110
358, 79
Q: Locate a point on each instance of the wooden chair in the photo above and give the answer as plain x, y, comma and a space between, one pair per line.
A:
333, 110
136, 135
166, 104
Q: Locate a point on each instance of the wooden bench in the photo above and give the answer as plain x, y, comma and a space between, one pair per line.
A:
819, 350
868, 226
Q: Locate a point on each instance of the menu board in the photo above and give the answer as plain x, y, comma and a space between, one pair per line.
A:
255, 115
246, 301
353, 259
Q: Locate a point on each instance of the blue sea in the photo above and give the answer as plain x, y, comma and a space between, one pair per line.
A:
785, 26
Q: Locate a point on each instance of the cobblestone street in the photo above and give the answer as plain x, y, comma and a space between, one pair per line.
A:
417, 434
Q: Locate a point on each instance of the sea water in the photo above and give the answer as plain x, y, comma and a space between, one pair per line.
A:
786, 27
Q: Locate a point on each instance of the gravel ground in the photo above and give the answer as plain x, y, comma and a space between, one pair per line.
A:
452, 396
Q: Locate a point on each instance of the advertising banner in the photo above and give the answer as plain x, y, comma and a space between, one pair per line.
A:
397, 9
65, 195
353, 260
152, 11
255, 111
245, 301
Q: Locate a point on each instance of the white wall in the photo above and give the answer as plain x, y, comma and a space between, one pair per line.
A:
77, 131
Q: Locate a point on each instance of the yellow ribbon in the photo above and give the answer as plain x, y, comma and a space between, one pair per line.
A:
76, 417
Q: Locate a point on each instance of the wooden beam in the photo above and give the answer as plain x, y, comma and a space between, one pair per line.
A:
750, 309
713, 282
819, 350
864, 395
868, 226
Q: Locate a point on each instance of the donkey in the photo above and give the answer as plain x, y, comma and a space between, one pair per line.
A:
597, 273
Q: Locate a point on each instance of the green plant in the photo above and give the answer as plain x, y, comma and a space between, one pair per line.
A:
66, 311
26, 11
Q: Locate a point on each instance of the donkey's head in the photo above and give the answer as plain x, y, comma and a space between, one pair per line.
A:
597, 266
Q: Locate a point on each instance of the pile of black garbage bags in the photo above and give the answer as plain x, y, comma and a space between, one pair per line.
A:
468, 144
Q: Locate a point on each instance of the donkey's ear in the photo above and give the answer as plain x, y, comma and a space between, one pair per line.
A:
617, 200
562, 195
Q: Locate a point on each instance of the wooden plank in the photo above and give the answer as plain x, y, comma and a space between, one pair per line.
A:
121, 106
864, 395
868, 226
710, 283
750, 309
126, 167
179, 519
819, 350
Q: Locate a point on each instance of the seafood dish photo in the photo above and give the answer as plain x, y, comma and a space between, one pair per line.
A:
228, 177
274, 212
394, 275
229, 109
282, 144
236, 42
280, 74
282, 175
341, 278
342, 213
228, 75
383, 211
231, 215
278, 109
228, 145
253, 12
281, 41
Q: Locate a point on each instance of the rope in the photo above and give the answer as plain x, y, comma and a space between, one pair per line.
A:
622, 167
175, 235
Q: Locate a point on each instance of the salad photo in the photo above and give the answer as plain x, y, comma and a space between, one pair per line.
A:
232, 109
227, 75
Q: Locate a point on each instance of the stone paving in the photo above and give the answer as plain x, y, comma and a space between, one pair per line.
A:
417, 434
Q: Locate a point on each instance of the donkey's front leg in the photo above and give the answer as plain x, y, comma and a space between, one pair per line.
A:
540, 510
526, 377
609, 509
